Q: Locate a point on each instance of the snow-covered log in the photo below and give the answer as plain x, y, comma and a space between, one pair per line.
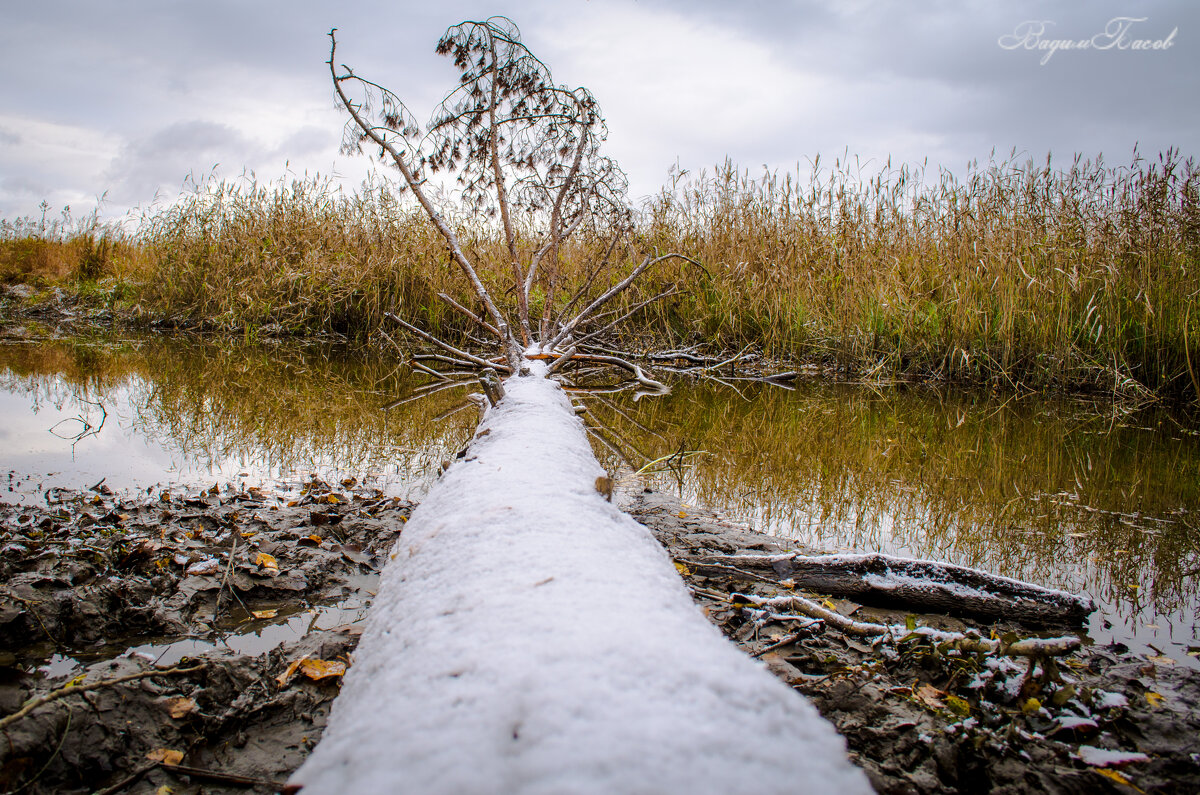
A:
529, 637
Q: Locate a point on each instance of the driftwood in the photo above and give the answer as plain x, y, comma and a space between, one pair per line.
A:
928, 585
956, 641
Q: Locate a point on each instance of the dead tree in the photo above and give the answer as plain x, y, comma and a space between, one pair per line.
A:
523, 152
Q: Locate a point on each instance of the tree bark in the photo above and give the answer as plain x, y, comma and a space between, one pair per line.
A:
528, 636
928, 585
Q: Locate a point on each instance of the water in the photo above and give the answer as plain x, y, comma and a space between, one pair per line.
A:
1068, 494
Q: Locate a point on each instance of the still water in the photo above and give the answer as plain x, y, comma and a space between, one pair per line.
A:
1067, 494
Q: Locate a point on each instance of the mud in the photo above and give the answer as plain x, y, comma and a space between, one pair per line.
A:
96, 586
244, 583
920, 720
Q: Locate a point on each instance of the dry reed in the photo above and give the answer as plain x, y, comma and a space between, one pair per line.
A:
1015, 274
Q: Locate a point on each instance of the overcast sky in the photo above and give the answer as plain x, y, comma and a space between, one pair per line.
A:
128, 97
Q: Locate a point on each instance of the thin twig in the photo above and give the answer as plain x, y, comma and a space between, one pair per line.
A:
447, 347
70, 690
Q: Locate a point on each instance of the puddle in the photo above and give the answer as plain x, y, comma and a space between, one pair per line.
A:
241, 635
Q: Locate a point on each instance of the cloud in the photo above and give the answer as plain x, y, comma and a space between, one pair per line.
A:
177, 153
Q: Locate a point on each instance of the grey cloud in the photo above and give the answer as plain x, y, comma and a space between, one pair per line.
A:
173, 154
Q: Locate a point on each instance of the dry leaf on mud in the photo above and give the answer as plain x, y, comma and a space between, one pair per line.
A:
286, 676
178, 707
264, 613
265, 561
168, 756
1115, 776
931, 697
682, 568
321, 669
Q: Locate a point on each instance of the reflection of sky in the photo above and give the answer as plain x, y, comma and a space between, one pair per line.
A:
38, 448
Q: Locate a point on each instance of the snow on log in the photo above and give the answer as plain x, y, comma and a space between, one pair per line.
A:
933, 586
528, 637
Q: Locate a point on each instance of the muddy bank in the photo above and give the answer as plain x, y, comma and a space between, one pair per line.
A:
921, 719
251, 600
228, 588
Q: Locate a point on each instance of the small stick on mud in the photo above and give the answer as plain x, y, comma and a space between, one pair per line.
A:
70, 690
225, 579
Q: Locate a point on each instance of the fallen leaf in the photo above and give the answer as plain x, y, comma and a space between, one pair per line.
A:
682, 568
178, 707
931, 697
265, 561
204, 567
1031, 706
332, 499
321, 669
1161, 659
264, 613
168, 756
1154, 699
682, 515
958, 706
286, 676
164, 790
1116, 776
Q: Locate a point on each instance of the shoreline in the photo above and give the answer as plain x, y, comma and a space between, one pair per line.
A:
916, 720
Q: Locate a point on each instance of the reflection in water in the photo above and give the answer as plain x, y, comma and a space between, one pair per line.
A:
191, 412
1061, 493
1065, 494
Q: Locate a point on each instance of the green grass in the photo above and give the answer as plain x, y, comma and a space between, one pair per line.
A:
1078, 278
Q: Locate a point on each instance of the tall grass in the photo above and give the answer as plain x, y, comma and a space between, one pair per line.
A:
1083, 276
43, 252
1014, 273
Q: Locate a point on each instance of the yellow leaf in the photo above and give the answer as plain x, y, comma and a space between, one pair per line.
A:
958, 706
1161, 659
265, 561
264, 613
286, 676
1154, 699
1116, 776
829, 605
164, 790
247, 535
320, 669
178, 707
168, 756
682, 515
682, 568
332, 499
1031, 706
316, 539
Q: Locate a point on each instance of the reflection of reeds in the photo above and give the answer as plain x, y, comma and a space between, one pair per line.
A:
1014, 273
284, 407
1056, 492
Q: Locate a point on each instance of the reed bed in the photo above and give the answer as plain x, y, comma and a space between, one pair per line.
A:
1017, 274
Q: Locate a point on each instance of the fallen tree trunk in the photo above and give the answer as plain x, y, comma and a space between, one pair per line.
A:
530, 637
928, 585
